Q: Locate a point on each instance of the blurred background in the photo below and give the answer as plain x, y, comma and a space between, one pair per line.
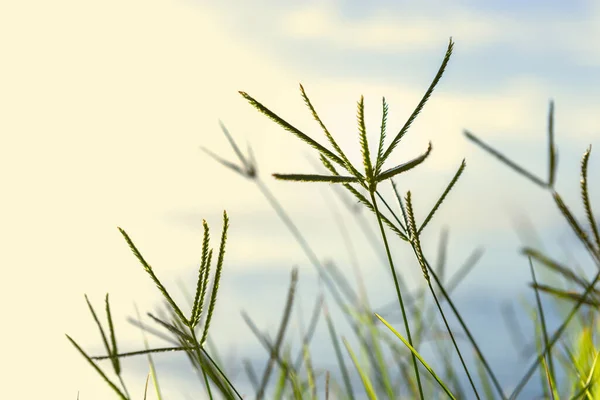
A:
104, 106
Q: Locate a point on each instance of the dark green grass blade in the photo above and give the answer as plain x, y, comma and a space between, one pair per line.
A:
172, 328
113, 339
577, 229
555, 266
362, 199
315, 178
566, 295
443, 196
102, 374
404, 167
506, 160
215, 289
382, 133
347, 165
150, 272
95, 316
202, 274
414, 236
586, 199
285, 125
421, 104
147, 351
364, 143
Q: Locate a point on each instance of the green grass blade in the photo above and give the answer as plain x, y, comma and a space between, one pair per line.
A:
576, 227
213, 297
363, 376
484, 378
443, 196
404, 167
315, 178
506, 160
379, 163
364, 143
104, 339
113, 339
288, 127
554, 338
347, 165
150, 360
586, 199
102, 374
338, 353
555, 266
550, 371
416, 353
202, 274
421, 104
150, 272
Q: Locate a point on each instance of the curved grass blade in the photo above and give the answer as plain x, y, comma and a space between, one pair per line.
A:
158, 284
404, 167
363, 376
416, 353
586, 198
288, 127
417, 110
505, 160
443, 196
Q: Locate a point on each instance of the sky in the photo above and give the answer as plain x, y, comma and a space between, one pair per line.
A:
105, 105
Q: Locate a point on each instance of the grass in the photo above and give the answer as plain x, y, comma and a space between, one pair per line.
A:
388, 359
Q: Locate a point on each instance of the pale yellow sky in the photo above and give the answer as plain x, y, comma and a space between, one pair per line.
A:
103, 107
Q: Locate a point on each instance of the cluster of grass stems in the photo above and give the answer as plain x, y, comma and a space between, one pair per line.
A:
408, 375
